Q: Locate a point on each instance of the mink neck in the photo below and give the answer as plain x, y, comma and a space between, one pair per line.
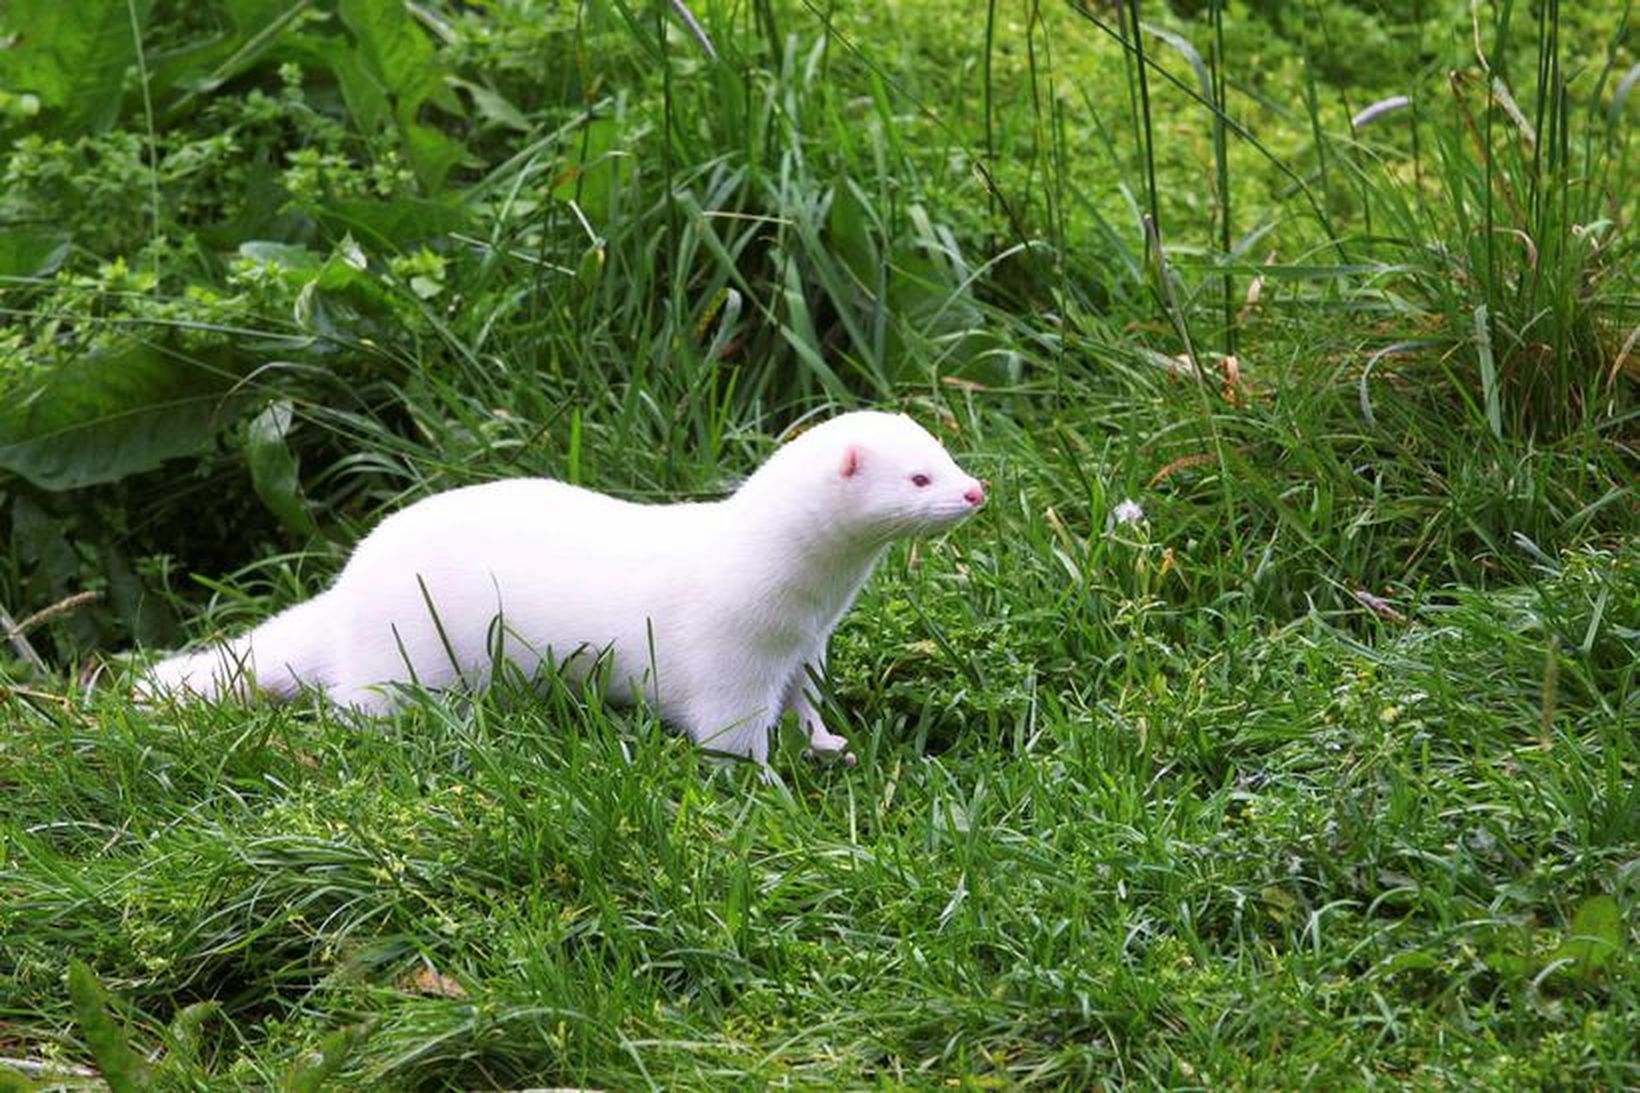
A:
794, 546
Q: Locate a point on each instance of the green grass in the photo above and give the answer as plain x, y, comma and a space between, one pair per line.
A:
1297, 858
1323, 773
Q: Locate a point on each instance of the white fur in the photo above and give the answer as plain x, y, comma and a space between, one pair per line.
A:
714, 612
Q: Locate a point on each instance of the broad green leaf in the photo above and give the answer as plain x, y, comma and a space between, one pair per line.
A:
273, 469
600, 169
362, 91
432, 154
32, 252
73, 57
393, 49
395, 223
55, 567
1595, 937
287, 256
203, 65
113, 414
851, 235
493, 107
392, 72
1413, 960
40, 541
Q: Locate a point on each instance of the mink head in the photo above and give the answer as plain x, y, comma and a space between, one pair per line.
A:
876, 477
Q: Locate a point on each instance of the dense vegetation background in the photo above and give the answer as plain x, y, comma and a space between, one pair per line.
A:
1318, 767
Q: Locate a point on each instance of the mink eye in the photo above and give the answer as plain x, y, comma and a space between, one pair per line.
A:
920, 480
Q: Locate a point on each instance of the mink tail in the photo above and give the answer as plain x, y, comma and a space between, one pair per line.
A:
276, 660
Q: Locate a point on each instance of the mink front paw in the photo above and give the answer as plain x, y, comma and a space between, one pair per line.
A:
825, 745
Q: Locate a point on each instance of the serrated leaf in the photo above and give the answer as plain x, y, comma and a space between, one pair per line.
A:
393, 48
273, 469
121, 1067
115, 413
364, 95
392, 72
73, 57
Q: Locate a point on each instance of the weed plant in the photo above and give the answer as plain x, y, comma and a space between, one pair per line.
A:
1274, 724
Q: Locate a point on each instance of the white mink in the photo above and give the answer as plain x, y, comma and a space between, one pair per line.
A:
715, 612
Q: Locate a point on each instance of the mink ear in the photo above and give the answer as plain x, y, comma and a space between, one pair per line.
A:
851, 461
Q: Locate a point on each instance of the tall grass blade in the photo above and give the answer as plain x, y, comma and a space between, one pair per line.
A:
1146, 131
1221, 178
1491, 395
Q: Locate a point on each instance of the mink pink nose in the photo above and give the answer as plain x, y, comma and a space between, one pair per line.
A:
975, 495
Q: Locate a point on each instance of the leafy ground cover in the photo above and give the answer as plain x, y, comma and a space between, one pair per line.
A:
1318, 766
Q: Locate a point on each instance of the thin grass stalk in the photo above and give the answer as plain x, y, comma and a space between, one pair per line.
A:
764, 10
935, 117
988, 91
1130, 80
1559, 235
1319, 15
1490, 380
1054, 176
674, 286
1312, 107
1488, 213
1032, 15
1543, 106
1146, 132
1061, 232
1416, 114
1221, 160
1541, 193
148, 121
692, 24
